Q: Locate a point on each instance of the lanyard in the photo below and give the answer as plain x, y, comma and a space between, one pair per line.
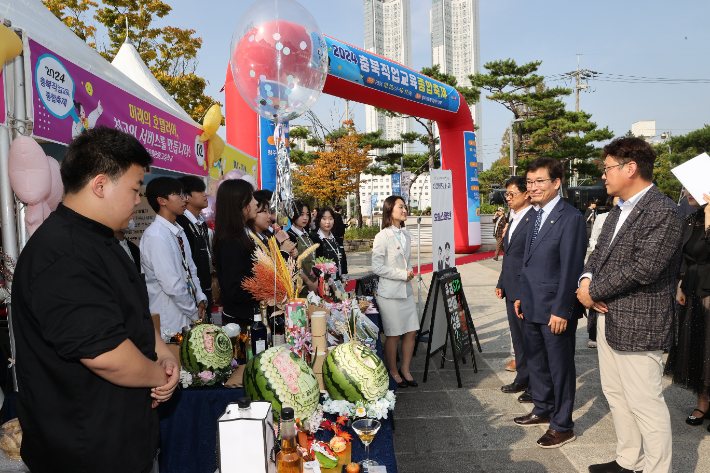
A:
188, 279
334, 250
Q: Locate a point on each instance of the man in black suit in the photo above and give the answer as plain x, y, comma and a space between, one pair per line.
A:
554, 255
338, 225
514, 249
197, 233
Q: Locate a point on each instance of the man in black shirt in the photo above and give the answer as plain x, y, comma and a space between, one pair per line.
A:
338, 225
91, 368
197, 233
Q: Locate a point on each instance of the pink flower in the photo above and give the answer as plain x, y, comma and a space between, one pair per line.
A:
206, 376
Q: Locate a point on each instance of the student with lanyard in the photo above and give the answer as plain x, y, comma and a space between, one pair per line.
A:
197, 232
331, 246
174, 288
261, 228
300, 222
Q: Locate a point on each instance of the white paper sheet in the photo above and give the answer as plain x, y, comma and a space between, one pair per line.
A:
695, 176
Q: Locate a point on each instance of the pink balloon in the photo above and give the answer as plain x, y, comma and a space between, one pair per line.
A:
35, 215
28, 168
57, 188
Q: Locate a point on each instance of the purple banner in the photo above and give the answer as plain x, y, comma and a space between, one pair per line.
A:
2, 97
69, 100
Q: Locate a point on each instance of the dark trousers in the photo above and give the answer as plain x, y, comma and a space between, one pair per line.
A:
552, 372
516, 333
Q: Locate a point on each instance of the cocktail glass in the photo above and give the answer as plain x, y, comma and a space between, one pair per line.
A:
366, 430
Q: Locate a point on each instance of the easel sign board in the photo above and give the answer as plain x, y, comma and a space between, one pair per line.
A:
367, 286
424, 326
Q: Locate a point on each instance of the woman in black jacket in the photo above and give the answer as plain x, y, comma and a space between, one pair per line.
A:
331, 247
233, 249
689, 360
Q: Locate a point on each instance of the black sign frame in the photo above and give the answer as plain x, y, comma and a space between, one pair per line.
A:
424, 330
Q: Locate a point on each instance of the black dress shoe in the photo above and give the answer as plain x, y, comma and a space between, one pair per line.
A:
411, 383
525, 398
692, 420
401, 385
531, 419
513, 388
611, 467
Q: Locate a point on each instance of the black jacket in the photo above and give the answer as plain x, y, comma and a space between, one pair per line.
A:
233, 263
327, 250
200, 252
338, 226
136, 253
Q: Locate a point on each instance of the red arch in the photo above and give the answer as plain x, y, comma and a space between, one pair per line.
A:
242, 132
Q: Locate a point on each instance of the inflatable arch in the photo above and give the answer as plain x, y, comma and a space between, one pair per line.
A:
360, 76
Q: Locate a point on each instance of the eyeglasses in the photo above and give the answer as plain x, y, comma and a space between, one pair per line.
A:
182, 195
538, 183
614, 166
512, 194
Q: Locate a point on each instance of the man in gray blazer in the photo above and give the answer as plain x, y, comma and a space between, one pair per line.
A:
630, 280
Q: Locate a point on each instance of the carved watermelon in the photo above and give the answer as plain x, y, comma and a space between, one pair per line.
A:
279, 376
206, 347
353, 372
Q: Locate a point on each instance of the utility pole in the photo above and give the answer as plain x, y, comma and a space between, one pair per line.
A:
347, 110
579, 76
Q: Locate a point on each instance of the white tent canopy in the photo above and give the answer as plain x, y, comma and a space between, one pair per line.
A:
130, 63
42, 26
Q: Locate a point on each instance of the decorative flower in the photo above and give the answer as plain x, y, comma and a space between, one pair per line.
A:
360, 412
206, 376
234, 363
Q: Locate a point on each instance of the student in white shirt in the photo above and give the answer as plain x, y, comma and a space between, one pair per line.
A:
171, 276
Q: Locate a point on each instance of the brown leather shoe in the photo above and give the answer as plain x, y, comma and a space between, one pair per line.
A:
510, 366
531, 419
555, 439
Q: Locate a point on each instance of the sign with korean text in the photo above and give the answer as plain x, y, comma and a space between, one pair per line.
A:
356, 65
69, 100
397, 184
442, 219
231, 159
270, 135
473, 195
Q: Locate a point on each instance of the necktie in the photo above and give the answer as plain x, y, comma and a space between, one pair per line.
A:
538, 221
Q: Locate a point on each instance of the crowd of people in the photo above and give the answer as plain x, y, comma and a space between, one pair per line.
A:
645, 287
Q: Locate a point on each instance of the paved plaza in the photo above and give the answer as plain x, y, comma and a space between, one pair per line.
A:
441, 428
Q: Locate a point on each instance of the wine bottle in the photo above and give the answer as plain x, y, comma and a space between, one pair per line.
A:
279, 330
289, 459
258, 333
265, 319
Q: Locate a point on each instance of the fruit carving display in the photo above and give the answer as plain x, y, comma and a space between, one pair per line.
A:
353, 372
279, 376
206, 347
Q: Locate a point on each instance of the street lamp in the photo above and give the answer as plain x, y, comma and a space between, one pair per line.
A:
512, 146
669, 135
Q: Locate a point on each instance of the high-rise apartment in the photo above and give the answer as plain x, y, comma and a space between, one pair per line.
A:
388, 34
455, 42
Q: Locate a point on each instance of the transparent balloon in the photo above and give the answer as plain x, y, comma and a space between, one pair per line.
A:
279, 59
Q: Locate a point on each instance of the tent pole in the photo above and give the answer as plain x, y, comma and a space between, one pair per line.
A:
20, 114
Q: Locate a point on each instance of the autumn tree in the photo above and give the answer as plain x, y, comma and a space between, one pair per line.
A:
170, 53
335, 171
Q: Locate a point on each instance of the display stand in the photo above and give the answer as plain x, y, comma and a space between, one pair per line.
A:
450, 296
367, 286
425, 322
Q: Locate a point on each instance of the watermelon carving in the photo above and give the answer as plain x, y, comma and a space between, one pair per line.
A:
279, 376
206, 347
353, 372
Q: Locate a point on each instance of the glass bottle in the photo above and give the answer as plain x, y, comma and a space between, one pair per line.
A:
258, 333
289, 459
279, 330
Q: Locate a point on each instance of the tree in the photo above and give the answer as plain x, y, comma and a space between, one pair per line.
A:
517, 88
169, 52
336, 170
675, 151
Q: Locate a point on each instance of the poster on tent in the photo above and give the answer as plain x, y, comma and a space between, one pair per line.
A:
473, 195
269, 135
231, 159
442, 219
69, 100
2, 98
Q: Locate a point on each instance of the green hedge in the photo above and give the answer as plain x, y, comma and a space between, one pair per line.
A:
364, 233
488, 209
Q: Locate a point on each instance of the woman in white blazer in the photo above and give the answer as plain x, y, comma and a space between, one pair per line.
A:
395, 297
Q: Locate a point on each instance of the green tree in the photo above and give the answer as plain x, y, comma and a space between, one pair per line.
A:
675, 151
170, 53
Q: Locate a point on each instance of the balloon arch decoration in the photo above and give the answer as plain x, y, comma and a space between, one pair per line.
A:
281, 63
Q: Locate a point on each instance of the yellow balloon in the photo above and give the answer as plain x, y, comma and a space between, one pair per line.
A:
213, 120
89, 88
215, 149
10, 44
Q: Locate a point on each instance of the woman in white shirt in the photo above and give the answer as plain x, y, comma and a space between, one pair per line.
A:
395, 297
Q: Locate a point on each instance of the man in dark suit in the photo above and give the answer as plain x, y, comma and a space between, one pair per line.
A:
339, 225
630, 279
554, 253
514, 249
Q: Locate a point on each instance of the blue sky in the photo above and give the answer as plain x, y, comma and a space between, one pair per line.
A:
624, 37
